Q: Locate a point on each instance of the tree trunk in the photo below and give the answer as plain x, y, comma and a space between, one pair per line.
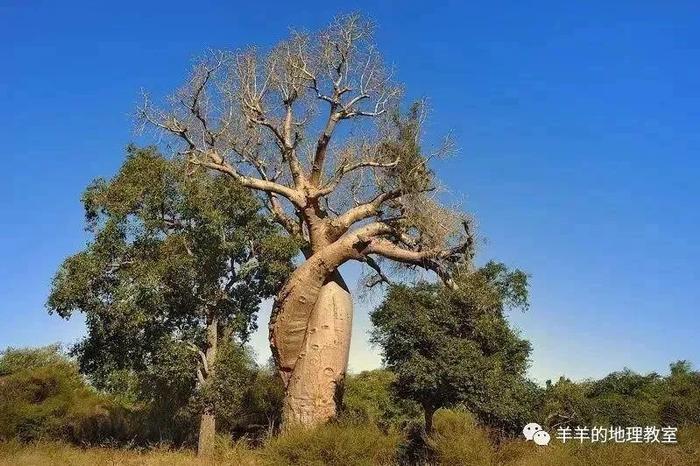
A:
207, 424
207, 434
315, 386
428, 413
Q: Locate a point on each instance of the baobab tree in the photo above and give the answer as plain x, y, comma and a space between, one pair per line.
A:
314, 127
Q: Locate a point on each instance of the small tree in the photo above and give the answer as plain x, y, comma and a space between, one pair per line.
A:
450, 346
178, 264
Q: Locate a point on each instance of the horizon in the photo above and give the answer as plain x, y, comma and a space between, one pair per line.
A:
577, 127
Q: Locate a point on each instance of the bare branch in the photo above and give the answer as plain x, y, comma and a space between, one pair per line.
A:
366, 210
247, 114
200, 376
379, 275
202, 357
251, 182
348, 168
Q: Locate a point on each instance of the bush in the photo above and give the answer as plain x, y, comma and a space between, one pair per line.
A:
369, 398
42, 396
457, 439
262, 405
625, 398
344, 444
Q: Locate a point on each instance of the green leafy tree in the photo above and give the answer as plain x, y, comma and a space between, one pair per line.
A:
369, 397
454, 345
176, 269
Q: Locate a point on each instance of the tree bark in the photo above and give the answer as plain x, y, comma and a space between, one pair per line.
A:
428, 413
310, 329
207, 434
315, 387
207, 424
314, 380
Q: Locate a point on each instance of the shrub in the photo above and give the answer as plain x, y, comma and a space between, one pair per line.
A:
457, 439
369, 398
261, 410
42, 396
625, 398
344, 444
237, 452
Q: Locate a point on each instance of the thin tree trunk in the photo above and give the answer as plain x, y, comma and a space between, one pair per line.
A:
207, 424
207, 434
315, 386
428, 413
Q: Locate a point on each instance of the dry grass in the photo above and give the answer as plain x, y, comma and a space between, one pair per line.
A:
457, 442
50, 454
346, 445
61, 454
602, 455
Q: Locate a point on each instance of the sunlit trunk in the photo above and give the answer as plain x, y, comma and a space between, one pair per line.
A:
310, 337
207, 434
315, 387
207, 424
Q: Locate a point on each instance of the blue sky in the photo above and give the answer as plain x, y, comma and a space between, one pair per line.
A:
577, 122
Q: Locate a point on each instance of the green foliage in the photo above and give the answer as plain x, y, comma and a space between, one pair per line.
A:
625, 398
234, 378
680, 400
42, 396
174, 251
168, 247
450, 347
369, 397
165, 387
16, 360
262, 403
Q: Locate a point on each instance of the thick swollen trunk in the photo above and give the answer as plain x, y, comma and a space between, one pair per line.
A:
314, 390
207, 423
310, 338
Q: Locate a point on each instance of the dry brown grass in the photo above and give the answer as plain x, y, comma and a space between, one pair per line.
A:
55, 454
35, 454
458, 444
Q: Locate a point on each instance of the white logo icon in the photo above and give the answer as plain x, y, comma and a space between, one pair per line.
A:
534, 431
530, 430
541, 438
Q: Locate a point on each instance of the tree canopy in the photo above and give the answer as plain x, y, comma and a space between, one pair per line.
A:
178, 264
454, 345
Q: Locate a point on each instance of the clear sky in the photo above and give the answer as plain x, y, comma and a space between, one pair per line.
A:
577, 122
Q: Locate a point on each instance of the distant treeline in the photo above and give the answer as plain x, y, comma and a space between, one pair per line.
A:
44, 397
